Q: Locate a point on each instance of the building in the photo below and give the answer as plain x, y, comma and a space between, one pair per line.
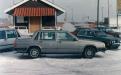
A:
115, 17
35, 14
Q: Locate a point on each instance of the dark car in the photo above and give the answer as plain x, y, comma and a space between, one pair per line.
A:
110, 31
95, 34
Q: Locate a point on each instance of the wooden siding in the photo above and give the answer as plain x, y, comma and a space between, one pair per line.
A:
35, 24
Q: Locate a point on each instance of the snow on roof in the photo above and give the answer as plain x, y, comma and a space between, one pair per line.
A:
24, 1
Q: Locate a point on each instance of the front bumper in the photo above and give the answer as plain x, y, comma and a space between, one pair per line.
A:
115, 45
101, 49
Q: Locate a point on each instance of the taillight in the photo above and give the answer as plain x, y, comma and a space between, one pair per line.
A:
14, 44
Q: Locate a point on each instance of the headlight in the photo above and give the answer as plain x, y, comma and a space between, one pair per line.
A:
111, 42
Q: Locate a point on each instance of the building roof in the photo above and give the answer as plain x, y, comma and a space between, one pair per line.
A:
45, 1
34, 11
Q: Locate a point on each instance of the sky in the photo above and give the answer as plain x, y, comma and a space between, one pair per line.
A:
82, 10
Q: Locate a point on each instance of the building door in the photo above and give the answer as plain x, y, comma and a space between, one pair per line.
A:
35, 24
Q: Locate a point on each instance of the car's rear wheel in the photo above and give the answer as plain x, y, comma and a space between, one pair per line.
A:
89, 52
34, 52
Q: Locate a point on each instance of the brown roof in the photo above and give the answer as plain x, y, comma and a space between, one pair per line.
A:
33, 11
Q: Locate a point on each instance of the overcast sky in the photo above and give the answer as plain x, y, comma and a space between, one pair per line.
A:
81, 8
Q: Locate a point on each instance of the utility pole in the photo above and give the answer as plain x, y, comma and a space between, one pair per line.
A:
117, 19
72, 16
118, 12
98, 4
102, 15
65, 18
108, 11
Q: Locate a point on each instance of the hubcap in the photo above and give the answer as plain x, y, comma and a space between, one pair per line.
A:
34, 53
89, 52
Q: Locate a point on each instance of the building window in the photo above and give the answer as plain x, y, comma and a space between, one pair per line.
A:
48, 21
21, 19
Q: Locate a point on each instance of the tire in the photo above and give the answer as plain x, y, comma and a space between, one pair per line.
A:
34, 52
89, 52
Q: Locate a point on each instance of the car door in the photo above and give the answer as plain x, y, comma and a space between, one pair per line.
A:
90, 35
11, 36
48, 41
3, 40
67, 43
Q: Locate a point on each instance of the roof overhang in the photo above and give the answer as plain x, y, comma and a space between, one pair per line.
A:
45, 1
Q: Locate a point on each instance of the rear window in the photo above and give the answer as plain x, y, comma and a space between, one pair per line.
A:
2, 35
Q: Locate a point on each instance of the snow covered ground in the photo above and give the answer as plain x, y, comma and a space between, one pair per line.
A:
109, 63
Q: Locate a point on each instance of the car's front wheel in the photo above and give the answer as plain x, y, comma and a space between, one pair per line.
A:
89, 52
34, 52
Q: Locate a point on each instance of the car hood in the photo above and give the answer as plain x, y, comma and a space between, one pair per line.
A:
109, 38
114, 32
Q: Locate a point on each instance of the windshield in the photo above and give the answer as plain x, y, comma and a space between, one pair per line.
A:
74, 36
77, 30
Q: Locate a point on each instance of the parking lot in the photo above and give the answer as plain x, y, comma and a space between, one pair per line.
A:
12, 63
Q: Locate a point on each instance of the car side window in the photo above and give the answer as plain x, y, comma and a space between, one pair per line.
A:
2, 35
48, 36
90, 33
64, 36
82, 32
11, 34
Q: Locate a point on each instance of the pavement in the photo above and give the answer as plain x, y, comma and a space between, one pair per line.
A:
108, 63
